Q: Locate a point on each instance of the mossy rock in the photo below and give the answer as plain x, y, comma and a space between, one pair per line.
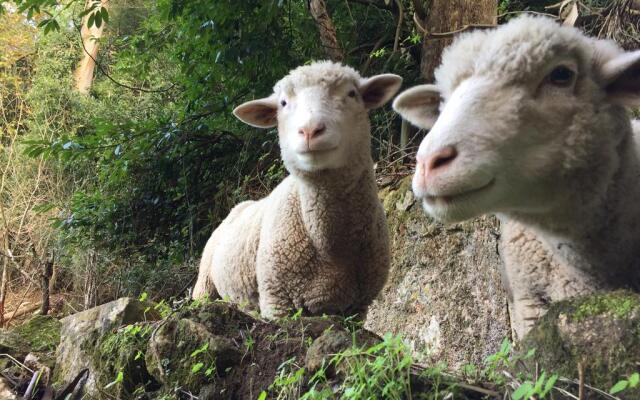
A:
119, 361
184, 353
219, 317
600, 332
83, 333
40, 334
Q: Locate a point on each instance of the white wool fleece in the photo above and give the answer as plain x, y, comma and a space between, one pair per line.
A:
319, 241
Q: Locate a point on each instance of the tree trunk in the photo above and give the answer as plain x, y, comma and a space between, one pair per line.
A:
90, 43
328, 36
447, 16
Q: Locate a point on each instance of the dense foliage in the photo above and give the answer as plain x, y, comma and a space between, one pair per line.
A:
152, 159
127, 183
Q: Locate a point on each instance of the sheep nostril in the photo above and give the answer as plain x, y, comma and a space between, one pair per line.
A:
319, 130
442, 158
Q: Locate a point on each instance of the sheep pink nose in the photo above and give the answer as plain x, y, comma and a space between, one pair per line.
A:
312, 130
438, 160
428, 166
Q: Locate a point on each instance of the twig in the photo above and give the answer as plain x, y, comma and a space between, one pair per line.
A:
396, 42
528, 12
24, 296
581, 381
24, 311
419, 7
599, 391
377, 45
443, 35
18, 363
565, 393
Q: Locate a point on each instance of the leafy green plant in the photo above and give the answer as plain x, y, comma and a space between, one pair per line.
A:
540, 388
631, 382
206, 362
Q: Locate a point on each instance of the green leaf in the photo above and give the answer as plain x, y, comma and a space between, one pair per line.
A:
530, 354
538, 387
619, 387
634, 379
119, 379
262, 396
549, 385
202, 349
523, 391
196, 367
105, 15
98, 19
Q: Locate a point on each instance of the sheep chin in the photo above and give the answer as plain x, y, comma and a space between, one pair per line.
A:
460, 207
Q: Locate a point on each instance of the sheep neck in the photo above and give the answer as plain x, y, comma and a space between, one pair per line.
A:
337, 207
602, 238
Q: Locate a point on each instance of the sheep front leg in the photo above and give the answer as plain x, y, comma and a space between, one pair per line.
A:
525, 277
271, 306
272, 299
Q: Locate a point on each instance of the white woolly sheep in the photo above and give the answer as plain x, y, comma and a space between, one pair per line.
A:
529, 122
319, 241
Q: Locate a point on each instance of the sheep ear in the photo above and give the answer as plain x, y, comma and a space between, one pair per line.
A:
379, 89
262, 113
621, 75
419, 105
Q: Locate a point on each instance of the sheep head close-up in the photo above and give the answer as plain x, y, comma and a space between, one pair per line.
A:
517, 116
321, 112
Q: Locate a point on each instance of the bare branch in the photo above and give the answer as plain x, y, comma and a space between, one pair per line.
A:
443, 35
396, 42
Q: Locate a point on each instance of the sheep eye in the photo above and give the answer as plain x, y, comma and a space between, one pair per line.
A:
352, 93
283, 103
561, 76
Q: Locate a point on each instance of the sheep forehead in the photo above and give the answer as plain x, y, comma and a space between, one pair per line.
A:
510, 53
320, 73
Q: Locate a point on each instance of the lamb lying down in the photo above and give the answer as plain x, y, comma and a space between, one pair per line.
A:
319, 241
529, 122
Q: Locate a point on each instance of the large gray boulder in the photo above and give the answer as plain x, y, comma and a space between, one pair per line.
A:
444, 293
81, 332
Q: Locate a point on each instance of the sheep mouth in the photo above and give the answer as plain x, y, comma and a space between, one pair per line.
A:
460, 196
317, 151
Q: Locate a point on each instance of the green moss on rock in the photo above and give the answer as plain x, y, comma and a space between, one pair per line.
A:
184, 353
40, 334
601, 332
619, 304
122, 353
